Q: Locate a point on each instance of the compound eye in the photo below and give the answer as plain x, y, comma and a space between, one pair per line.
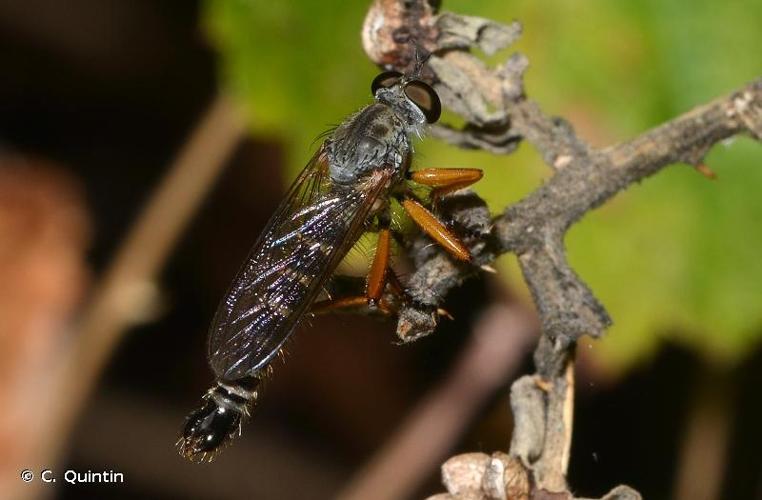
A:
425, 98
385, 80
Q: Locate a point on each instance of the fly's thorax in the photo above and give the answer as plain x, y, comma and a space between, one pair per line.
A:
374, 138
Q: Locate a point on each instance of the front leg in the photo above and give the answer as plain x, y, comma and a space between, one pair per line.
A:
432, 226
445, 180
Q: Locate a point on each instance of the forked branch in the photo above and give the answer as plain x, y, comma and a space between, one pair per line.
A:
499, 115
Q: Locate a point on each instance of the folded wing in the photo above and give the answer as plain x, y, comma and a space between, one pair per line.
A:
304, 241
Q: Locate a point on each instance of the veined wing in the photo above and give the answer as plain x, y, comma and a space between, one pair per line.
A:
304, 241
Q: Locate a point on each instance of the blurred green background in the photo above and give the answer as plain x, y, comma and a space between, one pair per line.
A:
674, 257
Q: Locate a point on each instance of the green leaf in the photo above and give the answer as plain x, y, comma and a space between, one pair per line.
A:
675, 257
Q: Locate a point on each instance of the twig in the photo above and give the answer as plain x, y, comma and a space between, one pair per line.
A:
499, 115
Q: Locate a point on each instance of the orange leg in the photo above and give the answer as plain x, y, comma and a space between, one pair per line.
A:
446, 180
375, 282
377, 276
434, 228
396, 285
357, 302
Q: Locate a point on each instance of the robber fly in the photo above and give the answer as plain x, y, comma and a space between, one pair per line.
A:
345, 190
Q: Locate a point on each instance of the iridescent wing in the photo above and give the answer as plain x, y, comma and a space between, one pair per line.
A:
304, 241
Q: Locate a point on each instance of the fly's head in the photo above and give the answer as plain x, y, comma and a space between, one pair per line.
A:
413, 100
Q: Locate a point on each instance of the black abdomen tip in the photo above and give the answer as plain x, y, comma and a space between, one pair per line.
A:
206, 429
217, 421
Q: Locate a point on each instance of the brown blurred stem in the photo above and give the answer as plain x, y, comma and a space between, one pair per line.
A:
128, 290
498, 115
500, 339
704, 449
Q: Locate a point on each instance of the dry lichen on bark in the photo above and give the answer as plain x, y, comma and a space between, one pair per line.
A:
498, 115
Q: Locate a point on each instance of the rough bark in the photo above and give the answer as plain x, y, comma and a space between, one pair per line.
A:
498, 115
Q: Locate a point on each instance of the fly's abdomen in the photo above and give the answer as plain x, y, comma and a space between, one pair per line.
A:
319, 220
280, 281
286, 270
223, 409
